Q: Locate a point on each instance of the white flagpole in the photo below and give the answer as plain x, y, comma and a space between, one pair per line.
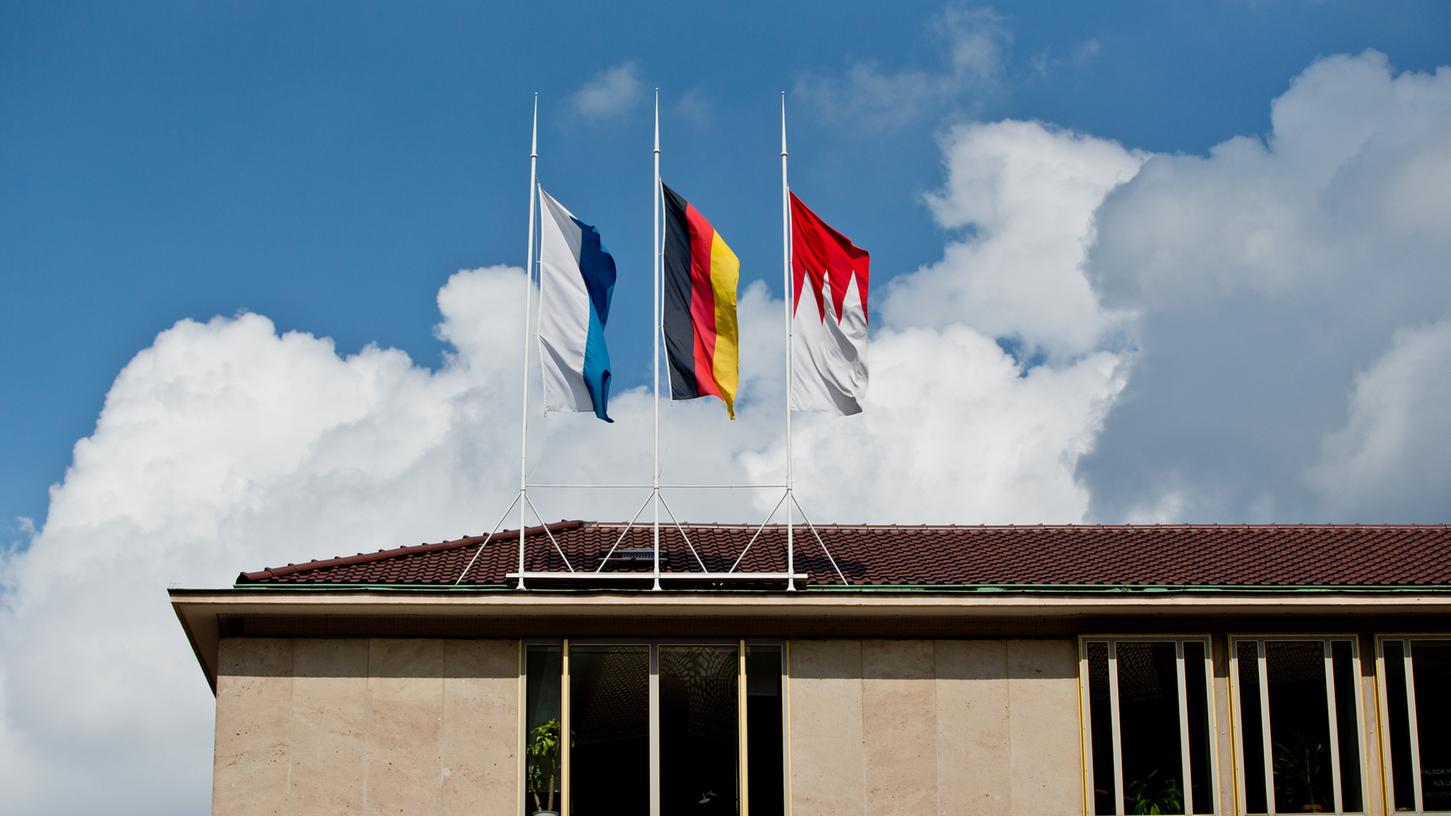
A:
524, 372
786, 278
657, 272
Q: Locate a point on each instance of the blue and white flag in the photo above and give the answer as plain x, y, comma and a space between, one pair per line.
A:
576, 282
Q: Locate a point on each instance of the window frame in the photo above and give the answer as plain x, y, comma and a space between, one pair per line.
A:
653, 646
1086, 721
1383, 718
1237, 732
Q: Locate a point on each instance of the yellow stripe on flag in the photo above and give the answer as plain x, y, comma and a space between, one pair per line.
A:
725, 273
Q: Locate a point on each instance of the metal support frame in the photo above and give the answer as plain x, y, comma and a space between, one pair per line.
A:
656, 499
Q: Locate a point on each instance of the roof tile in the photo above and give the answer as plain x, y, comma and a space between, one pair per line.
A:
891, 555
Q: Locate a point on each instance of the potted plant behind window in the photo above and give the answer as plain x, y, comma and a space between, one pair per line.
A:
1300, 769
1151, 796
542, 768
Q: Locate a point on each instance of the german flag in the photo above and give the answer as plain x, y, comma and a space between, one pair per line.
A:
702, 339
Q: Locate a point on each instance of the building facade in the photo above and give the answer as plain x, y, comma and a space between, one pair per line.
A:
931, 670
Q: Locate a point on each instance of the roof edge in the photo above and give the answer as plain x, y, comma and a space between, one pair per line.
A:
1164, 589
260, 576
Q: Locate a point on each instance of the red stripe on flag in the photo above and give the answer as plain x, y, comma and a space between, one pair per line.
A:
702, 301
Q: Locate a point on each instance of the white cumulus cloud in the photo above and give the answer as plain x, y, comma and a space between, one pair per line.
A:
1028, 193
610, 92
969, 46
1279, 285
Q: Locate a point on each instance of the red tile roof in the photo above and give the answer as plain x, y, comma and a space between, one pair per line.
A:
1044, 556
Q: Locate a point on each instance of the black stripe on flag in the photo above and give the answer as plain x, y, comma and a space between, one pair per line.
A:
679, 330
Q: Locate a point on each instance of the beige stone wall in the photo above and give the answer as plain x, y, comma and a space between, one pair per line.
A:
934, 727
366, 726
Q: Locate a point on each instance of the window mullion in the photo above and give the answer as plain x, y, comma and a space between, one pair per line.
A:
786, 726
1118, 762
654, 730
1188, 785
1411, 721
1236, 714
1334, 727
1269, 748
1211, 719
743, 776
1085, 716
566, 731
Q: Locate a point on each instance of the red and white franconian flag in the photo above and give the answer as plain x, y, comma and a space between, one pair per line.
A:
829, 317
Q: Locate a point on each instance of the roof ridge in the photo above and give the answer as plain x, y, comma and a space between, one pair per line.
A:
408, 549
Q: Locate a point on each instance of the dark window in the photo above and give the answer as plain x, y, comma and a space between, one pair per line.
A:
1431, 667
1196, 684
1418, 720
1100, 712
1347, 721
764, 754
1399, 726
693, 696
1251, 735
699, 723
609, 700
1299, 726
542, 753
1149, 739
1303, 746
1157, 715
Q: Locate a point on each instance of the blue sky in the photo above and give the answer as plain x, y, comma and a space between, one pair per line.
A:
331, 164
1145, 262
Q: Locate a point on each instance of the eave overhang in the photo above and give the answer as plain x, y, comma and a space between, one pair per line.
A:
206, 615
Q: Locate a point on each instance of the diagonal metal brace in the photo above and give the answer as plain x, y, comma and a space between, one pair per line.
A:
480, 551
758, 533
824, 548
548, 532
623, 532
683, 535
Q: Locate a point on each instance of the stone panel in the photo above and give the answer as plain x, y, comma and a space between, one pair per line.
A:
827, 759
254, 690
1044, 728
329, 726
480, 727
899, 726
405, 726
974, 759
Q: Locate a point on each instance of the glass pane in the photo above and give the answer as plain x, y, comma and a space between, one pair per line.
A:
699, 719
1399, 727
1148, 711
763, 731
1431, 667
609, 700
1347, 722
1100, 725
1299, 726
542, 674
1251, 733
1196, 686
